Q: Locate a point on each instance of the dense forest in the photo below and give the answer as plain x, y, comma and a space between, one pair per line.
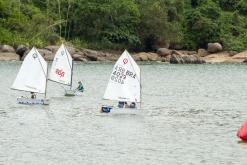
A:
118, 24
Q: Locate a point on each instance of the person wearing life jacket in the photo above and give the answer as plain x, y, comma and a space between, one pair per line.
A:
132, 105
33, 95
121, 104
80, 87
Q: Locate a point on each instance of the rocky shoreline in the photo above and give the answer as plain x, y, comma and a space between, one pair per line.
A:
214, 54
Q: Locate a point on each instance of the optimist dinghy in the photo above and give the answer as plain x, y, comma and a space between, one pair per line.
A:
62, 70
124, 85
32, 77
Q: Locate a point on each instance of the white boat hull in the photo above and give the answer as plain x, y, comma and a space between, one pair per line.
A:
116, 110
29, 101
72, 93
69, 92
125, 111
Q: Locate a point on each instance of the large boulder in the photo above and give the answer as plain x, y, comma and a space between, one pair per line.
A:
8, 56
77, 57
232, 52
90, 54
242, 55
7, 48
214, 47
92, 57
143, 56
52, 48
202, 52
136, 57
185, 52
25, 54
163, 52
21, 50
153, 57
221, 57
178, 58
165, 59
48, 55
193, 59
72, 50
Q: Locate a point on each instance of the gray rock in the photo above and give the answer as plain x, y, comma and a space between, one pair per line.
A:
193, 59
214, 47
91, 55
163, 52
21, 50
186, 59
136, 57
153, 57
143, 56
83, 60
232, 53
165, 59
48, 55
25, 54
177, 53
77, 57
8, 56
176, 59
52, 48
202, 52
7, 48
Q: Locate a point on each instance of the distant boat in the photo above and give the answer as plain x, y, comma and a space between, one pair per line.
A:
32, 77
62, 69
124, 84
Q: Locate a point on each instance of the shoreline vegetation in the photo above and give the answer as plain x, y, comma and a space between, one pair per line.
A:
213, 54
159, 30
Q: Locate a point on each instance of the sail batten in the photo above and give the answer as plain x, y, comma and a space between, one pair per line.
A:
124, 82
61, 69
32, 74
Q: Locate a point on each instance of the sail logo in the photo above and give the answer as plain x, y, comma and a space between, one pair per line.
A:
60, 72
62, 53
125, 61
35, 55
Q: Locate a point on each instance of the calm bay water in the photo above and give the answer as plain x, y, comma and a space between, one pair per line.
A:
190, 115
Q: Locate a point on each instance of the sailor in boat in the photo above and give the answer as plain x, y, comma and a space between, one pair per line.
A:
121, 104
132, 105
33, 95
80, 87
124, 104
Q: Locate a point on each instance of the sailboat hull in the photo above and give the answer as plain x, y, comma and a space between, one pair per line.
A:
116, 110
72, 93
29, 101
69, 93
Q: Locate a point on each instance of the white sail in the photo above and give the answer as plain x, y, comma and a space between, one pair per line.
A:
61, 69
124, 83
32, 74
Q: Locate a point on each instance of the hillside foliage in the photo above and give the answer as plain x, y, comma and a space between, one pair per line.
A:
119, 24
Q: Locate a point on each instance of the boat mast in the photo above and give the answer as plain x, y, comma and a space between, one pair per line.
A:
46, 74
71, 74
46, 81
71, 67
140, 89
